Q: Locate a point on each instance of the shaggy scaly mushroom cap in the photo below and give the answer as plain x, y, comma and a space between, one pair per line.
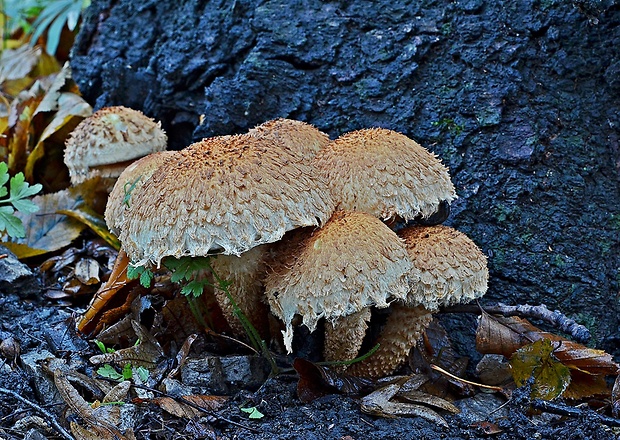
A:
353, 262
385, 174
295, 135
130, 181
110, 139
447, 268
225, 195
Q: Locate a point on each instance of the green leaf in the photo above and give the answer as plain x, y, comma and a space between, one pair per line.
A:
109, 372
142, 373
253, 412
551, 377
127, 371
21, 189
194, 288
11, 224
145, 275
4, 176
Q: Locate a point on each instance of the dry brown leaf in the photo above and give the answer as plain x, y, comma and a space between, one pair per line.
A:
505, 335
585, 385
317, 381
146, 354
379, 403
98, 426
117, 281
615, 398
183, 410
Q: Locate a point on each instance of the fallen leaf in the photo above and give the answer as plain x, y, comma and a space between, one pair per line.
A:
379, 403
146, 354
537, 360
117, 281
437, 349
45, 230
487, 428
316, 381
505, 335
186, 411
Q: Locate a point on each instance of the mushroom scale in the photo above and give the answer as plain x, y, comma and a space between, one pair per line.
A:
226, 195
103, 143
298, 136
400, 333
129, 182
448, 267
384, 173
353, 262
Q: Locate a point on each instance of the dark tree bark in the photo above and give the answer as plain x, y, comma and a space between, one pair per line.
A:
520, 99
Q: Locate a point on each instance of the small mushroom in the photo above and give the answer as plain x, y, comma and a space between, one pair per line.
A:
222, 195
447, 268
337, 272
385, 174
296, 135
110, 139
130, 181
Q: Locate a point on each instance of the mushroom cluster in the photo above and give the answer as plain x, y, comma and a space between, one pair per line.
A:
301, 225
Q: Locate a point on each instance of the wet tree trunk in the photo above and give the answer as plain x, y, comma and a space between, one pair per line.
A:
520, 99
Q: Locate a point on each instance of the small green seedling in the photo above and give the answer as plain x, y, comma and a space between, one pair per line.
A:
103, 348
109, 372
19, 192
253, 412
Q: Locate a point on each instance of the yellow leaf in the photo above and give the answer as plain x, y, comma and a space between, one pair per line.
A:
95, 222
70, 106
45, 229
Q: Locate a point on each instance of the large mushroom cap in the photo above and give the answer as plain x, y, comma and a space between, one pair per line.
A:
354, 261
297, 135
223, 195
108, 140
129, 182
448, 267
384, 173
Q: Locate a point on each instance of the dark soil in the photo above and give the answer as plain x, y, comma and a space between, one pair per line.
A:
39, 326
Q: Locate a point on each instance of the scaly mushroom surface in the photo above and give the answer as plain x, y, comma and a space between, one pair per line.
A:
350, 264
109, 140
386, 174
223, 195
448, 268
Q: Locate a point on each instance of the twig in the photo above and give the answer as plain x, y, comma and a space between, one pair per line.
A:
51, 419
556, 318
460, 379
565, 410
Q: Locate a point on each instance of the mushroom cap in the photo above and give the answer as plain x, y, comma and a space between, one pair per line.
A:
448, 267
108, 139
226, 195
129, 182
384, 173
297, 135
354, 261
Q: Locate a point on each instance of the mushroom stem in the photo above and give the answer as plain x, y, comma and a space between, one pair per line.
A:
244, 273
344, 336
402, 330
